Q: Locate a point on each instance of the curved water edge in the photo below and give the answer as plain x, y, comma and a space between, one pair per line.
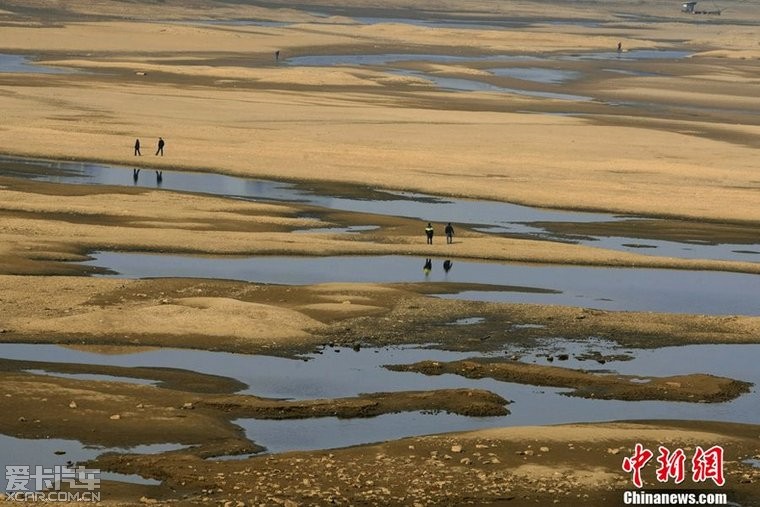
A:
490, 217
51, 452
625, 289
12, 63
354, 372
388, 58
543, 75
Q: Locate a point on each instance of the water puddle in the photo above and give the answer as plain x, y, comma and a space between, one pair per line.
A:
52, 452
129, 478
537, 74
753, 462
486, 216
440, 23
356, 60
331, 432
534, 74
25, 64
467, 321
94, 377
681, 249
628, 289
634, 54
589, 355
389, 58
470, 85
630, 72
351, 229
233, 22
354, 372
528, 326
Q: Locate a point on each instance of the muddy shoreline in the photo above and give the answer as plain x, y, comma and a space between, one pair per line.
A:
647, 135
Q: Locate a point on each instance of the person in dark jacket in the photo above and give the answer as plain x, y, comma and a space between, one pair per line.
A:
160, 146
449, 233
429, 231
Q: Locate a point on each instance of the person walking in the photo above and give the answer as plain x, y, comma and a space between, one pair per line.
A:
137, 148
449, 233
429, 233
160, 146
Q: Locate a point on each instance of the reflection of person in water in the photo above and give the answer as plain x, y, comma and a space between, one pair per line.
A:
428, 267
135, 175
447, 265
159, 178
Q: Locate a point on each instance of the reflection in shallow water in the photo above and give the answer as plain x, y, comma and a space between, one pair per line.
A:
354, 372
537, 74
471, 85
94, 377
42, 452
529, 404
639, 289
24, 64
485, 216
129, 478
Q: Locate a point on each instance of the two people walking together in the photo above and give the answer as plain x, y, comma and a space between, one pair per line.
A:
159, 149
430, 232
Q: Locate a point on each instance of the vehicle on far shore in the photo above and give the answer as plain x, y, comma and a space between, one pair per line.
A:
691, 8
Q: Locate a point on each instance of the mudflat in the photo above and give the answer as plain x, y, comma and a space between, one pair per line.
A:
527, 103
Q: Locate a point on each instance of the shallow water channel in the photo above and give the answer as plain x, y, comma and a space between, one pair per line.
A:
502, 65
486, 216
24, 64
52, 452
355, 372
629, 289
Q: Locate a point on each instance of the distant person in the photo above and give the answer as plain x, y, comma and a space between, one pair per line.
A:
620, 47
160, 146
449, 233
447, 265
135, 175
277, 56
159, 178
429, 233
137, 148
428, 267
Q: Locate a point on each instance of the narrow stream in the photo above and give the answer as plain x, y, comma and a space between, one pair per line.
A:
486, 216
